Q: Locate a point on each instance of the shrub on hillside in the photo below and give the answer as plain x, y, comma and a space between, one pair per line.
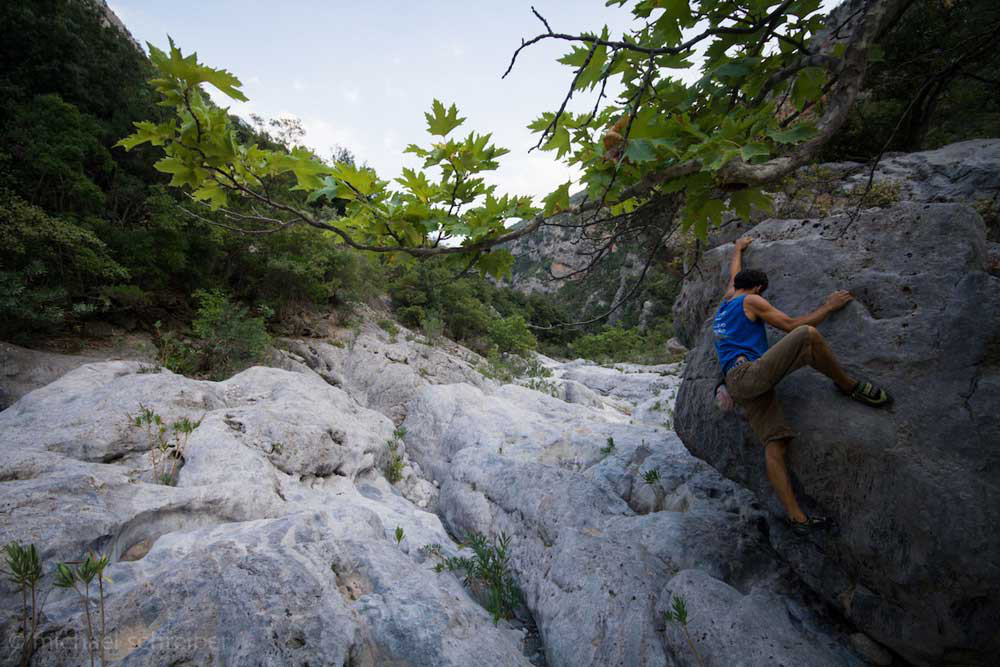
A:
227, 338
51, 268
617, 345
511, 335
611, 344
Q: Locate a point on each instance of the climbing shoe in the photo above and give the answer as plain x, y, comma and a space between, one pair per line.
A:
870, 394
810, 525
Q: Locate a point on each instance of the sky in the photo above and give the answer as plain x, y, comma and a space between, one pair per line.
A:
360, 75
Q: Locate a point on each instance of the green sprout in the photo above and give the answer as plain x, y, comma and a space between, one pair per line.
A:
79, 576
24, 569
679, 614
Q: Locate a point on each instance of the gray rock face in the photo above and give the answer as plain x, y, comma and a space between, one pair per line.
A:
916, 563
275, 547
23, 370
598, 537
383, 372
962, 172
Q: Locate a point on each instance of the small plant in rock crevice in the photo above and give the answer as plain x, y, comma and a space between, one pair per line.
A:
24, 569
609, 448
488, 570
651, 476
543, 386
390, 328
394, 464
165, 453
80, 576
399, 535
678, 614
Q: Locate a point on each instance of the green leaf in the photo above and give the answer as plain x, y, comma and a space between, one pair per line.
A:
755, 150
640, 150
329, 191
808, 86
559, 141
192, 73
711, 212
156, 134
360, 179
211, 192
182, 173
733, 69
592, 74
417, 183
793, 135
557, 200
744, 201
496, 263
440, 122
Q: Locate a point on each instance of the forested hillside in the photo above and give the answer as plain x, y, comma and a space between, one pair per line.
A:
91, 232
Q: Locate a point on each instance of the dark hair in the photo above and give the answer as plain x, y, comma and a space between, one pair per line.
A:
750, 278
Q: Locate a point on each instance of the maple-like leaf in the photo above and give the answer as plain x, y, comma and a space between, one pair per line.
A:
440, 121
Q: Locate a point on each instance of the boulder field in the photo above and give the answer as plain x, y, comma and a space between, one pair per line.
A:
277, 542
280, 541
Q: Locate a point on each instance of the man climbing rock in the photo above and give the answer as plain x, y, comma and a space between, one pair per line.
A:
751, 370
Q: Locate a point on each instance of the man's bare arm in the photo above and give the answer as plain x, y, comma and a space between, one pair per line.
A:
736, 262
762, 308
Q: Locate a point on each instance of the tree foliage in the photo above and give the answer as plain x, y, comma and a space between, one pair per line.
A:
447, 199
759, 110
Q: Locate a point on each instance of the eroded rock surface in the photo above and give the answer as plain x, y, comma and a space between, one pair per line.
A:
276, 546
916, 563
603, 536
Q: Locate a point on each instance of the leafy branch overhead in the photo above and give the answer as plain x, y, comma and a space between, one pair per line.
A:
445, 208
777, 80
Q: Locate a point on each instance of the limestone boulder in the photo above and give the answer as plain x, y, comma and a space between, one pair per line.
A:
277, 541
916, 561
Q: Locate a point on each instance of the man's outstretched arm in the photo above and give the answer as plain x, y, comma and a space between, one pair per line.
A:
762, 308
736, 262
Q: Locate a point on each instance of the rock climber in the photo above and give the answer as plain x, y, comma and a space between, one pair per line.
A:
751, 370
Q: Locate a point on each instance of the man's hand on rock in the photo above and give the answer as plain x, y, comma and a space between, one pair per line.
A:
742, 243
838, 299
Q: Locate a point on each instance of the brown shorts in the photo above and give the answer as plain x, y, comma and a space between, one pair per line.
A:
752, 384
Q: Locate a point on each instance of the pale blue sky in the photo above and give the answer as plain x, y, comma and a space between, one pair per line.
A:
361, 74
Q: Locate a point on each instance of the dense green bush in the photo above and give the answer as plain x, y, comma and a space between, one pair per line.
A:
228, 338
612, 344
617, 344
51, 268
511, 335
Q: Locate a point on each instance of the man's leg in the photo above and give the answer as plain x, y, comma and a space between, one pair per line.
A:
777, 472
804, 346
767, 420
825, 362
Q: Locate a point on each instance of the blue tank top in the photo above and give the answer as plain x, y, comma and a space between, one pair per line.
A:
736, 335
